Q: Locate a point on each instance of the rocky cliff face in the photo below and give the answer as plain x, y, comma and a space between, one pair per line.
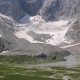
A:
60, 9
11, 8
18, 8
32, 7
48, 9
74, 30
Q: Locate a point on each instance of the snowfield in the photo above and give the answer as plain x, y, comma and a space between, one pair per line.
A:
56, 30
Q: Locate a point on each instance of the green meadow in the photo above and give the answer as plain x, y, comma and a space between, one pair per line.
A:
23, 73
18, 68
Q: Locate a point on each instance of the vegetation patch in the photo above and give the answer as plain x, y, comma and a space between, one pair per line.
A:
25, 59
56, 73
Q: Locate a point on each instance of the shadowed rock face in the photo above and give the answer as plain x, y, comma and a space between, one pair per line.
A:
49, 9
18, 8
60, 9
11, 8
32, 7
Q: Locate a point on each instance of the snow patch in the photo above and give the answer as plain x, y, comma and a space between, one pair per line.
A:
56, 29
22, 33
70, 45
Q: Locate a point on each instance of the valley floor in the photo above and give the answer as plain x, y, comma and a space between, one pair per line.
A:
10, 72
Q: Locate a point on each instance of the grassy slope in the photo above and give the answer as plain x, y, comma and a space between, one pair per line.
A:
24, 59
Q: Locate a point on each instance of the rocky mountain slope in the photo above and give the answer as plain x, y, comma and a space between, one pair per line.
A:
17, 46
60, 9
11, 8
48, 9
34, 26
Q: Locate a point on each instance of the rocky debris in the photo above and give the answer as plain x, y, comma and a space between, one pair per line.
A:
60, 9
11, 8
39, 37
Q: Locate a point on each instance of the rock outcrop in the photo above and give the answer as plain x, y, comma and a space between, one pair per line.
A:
11, 8
50, 10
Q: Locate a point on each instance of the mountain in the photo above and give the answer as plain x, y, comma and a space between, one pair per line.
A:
48, 9
39, 26
18, 46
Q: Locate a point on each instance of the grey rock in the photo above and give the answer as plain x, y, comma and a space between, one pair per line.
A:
74, 30
11, 8
60, 9
49, 9
39, 37
18, 46
32, 7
